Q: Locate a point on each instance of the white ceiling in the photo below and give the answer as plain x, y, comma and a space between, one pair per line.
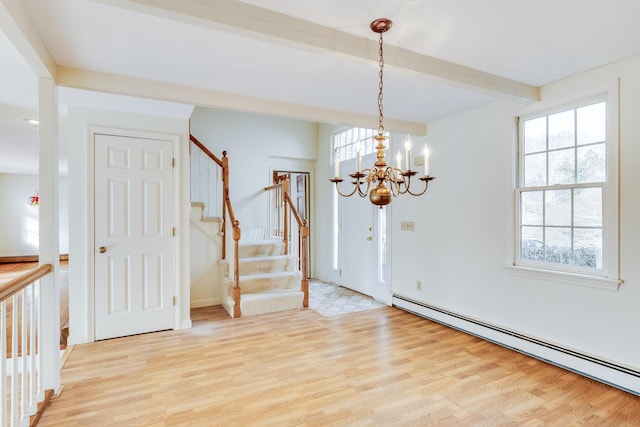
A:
318, 58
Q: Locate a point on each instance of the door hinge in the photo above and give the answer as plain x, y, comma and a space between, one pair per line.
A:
340, 272
175, 301
173, 162
174, 231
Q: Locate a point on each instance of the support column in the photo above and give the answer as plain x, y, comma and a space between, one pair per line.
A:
49, 233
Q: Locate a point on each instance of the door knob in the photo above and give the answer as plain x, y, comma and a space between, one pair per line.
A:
102, 249
370, 238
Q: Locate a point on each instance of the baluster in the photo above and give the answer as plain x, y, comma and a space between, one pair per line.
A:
38, 288
23, 359
14, 360
3, 364
33, 402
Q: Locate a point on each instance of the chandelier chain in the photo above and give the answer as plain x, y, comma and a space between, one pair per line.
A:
380, 86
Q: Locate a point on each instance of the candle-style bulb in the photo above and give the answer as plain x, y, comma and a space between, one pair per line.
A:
407, 143
407, 149
427, 153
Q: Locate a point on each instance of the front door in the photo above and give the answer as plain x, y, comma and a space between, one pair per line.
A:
356, 237
134, 224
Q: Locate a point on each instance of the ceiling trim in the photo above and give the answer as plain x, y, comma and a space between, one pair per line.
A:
132, 86
15, 23
256, 22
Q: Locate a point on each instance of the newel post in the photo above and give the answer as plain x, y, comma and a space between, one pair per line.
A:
285, 237
236, 270
304, 231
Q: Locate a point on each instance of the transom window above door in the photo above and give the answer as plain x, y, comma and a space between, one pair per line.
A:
345, 143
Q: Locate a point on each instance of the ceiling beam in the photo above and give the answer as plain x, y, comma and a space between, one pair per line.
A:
256, 22
132, 86
17, 26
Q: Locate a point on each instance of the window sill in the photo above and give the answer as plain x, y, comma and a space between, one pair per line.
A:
565, 277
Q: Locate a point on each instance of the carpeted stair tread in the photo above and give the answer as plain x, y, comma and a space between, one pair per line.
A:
269, 275
258, 248
267, 302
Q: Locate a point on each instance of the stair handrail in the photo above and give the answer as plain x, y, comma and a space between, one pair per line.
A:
303, 233
22, 363
17, 284
227, 209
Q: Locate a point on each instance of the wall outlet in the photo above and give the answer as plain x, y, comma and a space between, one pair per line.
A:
418, 285
407, 226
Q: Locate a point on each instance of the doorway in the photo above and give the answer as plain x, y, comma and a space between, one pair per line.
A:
362, 243
134, 254
300, 187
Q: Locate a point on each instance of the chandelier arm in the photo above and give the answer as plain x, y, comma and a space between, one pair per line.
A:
391, 177
426, 180
344, 194
365, 173
426, 186
366, 191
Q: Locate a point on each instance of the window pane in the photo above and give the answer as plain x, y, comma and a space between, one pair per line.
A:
591, 163
592, 123
558, 245
535, 135
561, 130
531, 244
557, 207
587, 207
587, 246
531, 207
382, 245
535, 170
562, 167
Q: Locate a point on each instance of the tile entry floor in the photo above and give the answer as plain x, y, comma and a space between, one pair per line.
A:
333, 300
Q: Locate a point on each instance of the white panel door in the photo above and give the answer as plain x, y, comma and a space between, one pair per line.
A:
356, 238
134, 244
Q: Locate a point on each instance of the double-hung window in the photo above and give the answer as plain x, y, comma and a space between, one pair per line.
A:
566, 201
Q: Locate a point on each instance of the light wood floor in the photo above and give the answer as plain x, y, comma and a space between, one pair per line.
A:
382, 367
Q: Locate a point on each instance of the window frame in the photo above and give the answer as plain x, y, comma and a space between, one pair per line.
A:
608, 276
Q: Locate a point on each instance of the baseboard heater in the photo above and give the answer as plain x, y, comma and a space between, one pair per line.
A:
615, 375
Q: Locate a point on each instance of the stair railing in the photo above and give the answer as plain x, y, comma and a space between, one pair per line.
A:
281, 210
226, 212
21, 366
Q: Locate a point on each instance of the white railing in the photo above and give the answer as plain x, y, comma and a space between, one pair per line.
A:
21, 367
281, 220
206, 183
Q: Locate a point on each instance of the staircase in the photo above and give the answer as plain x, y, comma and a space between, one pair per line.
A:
268, 279
256, 276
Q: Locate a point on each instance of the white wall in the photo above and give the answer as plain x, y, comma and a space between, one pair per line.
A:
460, 246
205, 271
19, 221
80, 197
324, 197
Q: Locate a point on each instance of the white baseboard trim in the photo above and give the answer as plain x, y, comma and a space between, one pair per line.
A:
622, 377
186, 324
205, 302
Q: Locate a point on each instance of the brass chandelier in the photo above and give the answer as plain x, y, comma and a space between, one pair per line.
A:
387, 181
